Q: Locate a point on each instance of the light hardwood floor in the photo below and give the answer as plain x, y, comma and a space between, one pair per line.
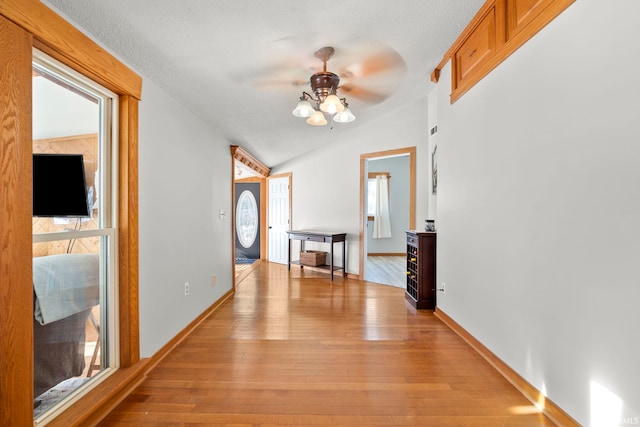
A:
387, 270
296, 349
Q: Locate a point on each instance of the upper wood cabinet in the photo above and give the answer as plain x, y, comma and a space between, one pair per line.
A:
478, 47
521, 12
499, 28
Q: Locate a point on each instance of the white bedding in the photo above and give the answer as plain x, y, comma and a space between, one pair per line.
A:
65, 285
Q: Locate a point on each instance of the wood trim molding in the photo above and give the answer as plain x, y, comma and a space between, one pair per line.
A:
60, 40
233, 220
550, 409
243, 156
128, 295
372, 175
16, 295
67, 138
94, 406
509, 41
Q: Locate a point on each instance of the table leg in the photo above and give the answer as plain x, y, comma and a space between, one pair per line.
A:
289, 257
331, 260
344, 260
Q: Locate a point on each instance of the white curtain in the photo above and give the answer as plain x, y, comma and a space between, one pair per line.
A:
382, 219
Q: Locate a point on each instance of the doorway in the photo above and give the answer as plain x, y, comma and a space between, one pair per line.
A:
382, 259
249, 211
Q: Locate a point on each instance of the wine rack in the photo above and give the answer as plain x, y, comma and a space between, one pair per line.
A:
421, 269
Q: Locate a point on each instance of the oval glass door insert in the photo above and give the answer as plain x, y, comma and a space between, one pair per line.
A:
247, 219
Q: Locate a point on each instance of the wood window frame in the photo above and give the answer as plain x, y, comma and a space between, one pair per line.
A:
24, 25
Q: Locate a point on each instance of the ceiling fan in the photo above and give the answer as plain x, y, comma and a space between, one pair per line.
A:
324, 85
367, 72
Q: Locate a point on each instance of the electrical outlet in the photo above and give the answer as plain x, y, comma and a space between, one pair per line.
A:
186, 289
214, 280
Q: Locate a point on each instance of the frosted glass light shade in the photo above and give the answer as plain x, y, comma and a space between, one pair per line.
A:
317, 119
332, 105
345, 116
303, 109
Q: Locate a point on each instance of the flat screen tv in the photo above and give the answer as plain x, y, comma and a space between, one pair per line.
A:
59, 186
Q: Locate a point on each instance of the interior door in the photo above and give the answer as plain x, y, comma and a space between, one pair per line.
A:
279, 218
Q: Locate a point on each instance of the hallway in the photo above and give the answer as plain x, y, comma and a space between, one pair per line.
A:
295, 349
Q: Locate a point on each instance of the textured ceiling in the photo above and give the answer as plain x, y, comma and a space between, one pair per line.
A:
230, 61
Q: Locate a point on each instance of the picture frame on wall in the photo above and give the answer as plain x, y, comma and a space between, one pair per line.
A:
434, 170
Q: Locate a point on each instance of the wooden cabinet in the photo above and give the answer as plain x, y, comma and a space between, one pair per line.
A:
499, 28
521, 13
477, 48
421, 269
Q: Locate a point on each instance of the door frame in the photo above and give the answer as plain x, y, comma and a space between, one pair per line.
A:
411, 151
239, 154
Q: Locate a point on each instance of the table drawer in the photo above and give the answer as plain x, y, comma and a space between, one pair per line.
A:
309, 238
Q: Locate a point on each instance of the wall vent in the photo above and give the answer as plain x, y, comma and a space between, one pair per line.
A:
434, 130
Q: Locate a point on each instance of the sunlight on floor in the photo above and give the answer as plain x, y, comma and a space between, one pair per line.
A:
525, 410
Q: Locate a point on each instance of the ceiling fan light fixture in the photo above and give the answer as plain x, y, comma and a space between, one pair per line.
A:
303, 109
332, 104
345, 116
324, 85
317, 119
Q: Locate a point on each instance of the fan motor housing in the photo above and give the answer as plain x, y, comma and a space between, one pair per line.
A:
324, 83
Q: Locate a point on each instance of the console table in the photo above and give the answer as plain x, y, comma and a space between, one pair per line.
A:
319, 236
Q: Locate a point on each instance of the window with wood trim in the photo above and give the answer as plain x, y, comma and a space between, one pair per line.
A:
24, 25
74, 249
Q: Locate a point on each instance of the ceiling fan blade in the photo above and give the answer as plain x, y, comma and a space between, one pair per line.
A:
280, 82
362, 93
381, 62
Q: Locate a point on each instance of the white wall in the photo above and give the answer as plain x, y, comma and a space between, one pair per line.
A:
539, 207
326, 182
184, 178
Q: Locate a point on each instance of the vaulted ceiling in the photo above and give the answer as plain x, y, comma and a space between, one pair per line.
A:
242, 65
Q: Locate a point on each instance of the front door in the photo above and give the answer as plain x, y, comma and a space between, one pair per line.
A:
247, 221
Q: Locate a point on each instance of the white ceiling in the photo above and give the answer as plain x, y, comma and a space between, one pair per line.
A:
222, 58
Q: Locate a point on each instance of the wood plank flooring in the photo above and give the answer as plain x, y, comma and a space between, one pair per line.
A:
296, 349
387, 270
